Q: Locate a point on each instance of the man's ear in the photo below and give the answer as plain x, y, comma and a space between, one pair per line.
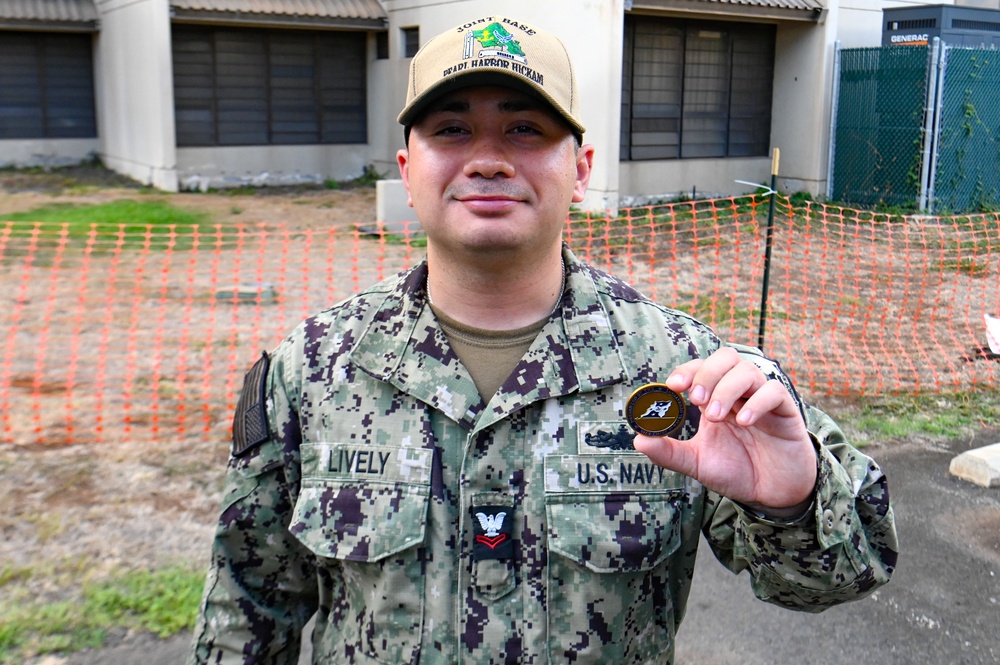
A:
584, 166
403, 159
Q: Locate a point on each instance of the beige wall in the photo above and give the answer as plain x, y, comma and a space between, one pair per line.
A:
669, 178
222, 167
135, 105
800, 115
19, 153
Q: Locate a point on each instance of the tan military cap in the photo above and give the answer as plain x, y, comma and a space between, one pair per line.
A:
493, 51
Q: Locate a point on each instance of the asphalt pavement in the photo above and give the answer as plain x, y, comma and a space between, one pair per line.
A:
941, 608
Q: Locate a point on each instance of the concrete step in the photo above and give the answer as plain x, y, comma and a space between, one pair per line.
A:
980, 466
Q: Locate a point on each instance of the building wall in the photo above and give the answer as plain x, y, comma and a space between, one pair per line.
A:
803, 83
199, 168
800, 119
650, 181
49, 153
800, 102
225, 167
135, 107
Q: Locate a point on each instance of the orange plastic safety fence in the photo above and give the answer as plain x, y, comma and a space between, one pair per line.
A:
118, 334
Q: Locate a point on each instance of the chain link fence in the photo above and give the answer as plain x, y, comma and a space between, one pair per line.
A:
877, 136
967, 148
916, 127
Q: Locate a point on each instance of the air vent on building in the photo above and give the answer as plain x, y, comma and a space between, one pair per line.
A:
982, 26
911, 24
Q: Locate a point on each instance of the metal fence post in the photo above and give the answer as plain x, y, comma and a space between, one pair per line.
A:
942, 67
930, 116
769, 241
834, 103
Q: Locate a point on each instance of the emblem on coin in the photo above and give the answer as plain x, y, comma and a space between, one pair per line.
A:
655, 410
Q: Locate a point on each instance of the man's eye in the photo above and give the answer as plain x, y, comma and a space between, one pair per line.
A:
451, 131
525, 129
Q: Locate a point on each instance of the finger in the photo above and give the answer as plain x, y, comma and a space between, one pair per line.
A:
709, 373
683, 375
736, 385
668, 453
771, 397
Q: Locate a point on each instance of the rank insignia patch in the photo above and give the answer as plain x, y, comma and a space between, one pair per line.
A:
492, 529
655, 410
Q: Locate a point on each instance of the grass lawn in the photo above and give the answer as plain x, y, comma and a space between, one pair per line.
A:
122, 224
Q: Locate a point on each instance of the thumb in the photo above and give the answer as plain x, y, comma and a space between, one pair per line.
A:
669, 453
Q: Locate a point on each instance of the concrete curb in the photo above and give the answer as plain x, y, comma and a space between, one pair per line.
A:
980, 466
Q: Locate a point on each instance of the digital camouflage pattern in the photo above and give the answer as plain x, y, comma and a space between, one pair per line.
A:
385, 479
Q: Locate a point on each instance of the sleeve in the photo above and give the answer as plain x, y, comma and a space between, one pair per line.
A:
844, 549
261, 587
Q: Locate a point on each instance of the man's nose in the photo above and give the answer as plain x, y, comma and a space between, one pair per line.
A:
489, 158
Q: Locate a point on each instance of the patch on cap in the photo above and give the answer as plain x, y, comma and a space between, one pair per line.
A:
493, 51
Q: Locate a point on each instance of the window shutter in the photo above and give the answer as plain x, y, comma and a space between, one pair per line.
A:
261, 87
46, 86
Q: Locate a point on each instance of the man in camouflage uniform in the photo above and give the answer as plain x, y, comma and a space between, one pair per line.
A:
451, 479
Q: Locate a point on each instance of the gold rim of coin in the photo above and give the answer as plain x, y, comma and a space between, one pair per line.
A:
655, 410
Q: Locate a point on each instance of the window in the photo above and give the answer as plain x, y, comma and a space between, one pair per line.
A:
411, 42
382, 45
696, 89
46, 86
261, 87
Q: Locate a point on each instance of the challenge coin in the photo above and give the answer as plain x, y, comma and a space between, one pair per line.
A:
655, 410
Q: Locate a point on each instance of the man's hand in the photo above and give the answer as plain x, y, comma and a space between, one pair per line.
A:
751, 446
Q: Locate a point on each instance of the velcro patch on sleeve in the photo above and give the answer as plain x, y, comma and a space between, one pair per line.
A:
250, 420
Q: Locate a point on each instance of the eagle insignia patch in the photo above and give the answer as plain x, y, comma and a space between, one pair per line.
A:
492, 531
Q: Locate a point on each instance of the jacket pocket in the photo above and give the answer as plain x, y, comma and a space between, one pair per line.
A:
609, 587
367, 529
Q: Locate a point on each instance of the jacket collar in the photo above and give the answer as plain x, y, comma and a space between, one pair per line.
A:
575, 351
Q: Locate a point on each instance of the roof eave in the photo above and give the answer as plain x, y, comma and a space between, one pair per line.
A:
208, 17
48, 25
817, 15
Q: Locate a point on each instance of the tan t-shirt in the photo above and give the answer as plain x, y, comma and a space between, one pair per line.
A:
489, 355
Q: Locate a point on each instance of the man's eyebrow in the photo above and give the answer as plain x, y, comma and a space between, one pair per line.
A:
450, 106
513, 105
519, 104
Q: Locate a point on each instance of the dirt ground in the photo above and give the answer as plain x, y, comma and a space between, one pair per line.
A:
73, 513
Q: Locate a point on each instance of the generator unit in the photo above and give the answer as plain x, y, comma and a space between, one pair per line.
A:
967, 27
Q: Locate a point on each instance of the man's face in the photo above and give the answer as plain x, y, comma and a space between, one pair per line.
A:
492, 171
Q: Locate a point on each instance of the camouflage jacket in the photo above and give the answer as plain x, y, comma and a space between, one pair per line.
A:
422, 525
